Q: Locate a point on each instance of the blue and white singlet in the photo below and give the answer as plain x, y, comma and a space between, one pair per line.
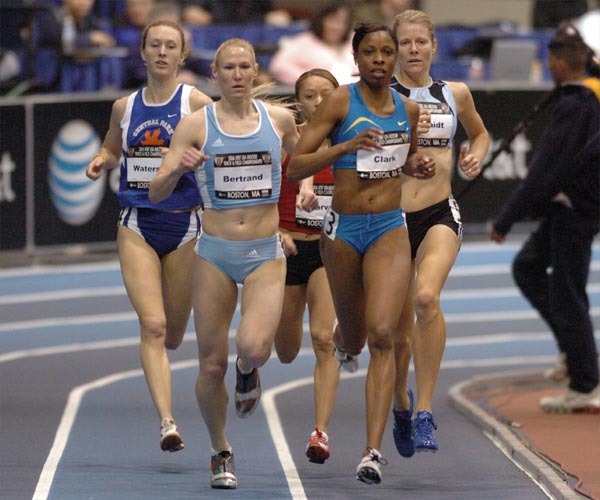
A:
438, 99
146, 129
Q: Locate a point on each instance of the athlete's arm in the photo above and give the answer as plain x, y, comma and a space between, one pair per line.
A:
109, 154
183, 156
308, 157
470, 158
417, 165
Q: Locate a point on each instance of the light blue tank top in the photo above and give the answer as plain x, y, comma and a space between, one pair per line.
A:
438, 99
243, 170
146, 129
380, 164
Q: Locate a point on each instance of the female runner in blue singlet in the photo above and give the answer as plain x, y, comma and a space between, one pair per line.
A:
155, 241
364, 243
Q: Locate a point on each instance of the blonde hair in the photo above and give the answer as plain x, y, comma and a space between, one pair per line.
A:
234, 42
261, 92
413, 16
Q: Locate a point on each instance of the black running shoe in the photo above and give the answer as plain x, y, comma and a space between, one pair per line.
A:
247, 392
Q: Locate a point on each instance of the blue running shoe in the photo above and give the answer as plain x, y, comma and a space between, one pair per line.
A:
403, 429
422, 432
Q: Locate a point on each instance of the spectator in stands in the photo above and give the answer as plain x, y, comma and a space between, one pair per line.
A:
10, 67
326, 45
169, 10
381, 11
128, 33
203, 12
69, 31
90, 32
549, 13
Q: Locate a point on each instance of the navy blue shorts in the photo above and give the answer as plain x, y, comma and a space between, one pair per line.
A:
163, 231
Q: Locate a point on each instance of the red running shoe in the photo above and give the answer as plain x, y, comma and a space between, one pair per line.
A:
317, 449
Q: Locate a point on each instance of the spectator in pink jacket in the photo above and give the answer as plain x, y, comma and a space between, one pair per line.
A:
326, 44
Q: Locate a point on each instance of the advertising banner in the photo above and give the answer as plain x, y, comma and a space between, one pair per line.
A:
67, 208
70, 208
13, 174
501, 111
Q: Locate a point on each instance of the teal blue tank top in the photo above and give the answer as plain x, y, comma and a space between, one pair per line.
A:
381, 164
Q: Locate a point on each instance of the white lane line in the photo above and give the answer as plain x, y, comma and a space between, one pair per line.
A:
488, 317
68, 418
115, 291
39, 270
468, 317
67, 294
278, 436
68, 320
467, 340
501, 292
494, 269
65, 426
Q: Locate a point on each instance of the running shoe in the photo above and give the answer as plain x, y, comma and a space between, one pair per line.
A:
247, 392
347, 361
222, 471
170, 439
317, 449
369, 468
403, 429
559, 372
422, 432
572, 402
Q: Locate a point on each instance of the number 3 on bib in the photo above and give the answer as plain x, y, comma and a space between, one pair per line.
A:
330, 223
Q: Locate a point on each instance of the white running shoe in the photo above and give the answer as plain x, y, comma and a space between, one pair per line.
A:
170, 439
222, 471
559, 372
347, 361
572, 402
369, 468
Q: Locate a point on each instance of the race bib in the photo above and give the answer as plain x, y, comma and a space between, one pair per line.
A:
330, 223
384, 163
142, 164
314, 219
243, 175
440, 132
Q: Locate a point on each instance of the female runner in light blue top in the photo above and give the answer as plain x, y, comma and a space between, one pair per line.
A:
234, 146
364, 244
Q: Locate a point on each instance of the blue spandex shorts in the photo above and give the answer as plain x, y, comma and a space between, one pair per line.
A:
361, 231
237, 259
163, 231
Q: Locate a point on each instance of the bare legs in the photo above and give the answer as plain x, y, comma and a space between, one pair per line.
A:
215, 299
160, 292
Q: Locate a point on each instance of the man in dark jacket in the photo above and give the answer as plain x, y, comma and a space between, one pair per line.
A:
562, 187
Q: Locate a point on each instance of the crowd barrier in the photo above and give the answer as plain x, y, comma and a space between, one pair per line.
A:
46, 142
